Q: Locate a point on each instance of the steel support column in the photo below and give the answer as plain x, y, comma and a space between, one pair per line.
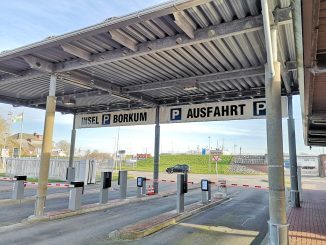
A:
156, 149
46, 149
295, 197
278, 228
71, 169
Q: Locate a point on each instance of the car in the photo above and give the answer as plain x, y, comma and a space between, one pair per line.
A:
179, 168
287, 164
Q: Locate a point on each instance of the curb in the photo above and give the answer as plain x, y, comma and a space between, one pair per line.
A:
96, 207
132, 232
85, 209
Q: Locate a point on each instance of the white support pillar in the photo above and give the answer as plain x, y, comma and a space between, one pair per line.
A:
278, 227
46, 149
71, 169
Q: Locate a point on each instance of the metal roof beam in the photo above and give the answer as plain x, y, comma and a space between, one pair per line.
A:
236, 27
184, 25
39, 64
123, 40
9, 71
74, 95
92, 82
113, 23
248, 24
215, 77
76, 51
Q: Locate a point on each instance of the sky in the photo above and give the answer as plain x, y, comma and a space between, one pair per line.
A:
24, 22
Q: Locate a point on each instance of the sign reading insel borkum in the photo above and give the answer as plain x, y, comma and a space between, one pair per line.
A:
117, 118
218, 111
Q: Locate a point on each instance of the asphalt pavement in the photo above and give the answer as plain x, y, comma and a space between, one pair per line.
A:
240, 221
88, 228
14, 213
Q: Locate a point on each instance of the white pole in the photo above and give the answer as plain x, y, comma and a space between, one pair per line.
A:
21, 135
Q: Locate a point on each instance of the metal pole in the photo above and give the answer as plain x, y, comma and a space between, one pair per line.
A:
295, 197
156, 149
278, 228
180, 194
123, 183
71, 169
46, 149
21, 135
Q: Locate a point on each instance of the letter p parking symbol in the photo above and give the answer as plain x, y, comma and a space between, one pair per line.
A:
106, 119
260, 108
175, 114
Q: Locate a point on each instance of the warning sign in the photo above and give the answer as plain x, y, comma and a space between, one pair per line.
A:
216, 158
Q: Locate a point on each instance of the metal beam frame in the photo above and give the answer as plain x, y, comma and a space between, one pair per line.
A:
124, 40
236, 27
9, 70
181, 21
39, 64
76, 51
215, 77
110, 24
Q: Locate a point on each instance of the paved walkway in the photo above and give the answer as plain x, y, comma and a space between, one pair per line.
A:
307, 225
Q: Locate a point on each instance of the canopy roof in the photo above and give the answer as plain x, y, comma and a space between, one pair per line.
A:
179, 52
313, 94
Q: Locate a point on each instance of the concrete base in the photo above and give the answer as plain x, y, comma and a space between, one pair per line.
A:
295, 199
75, 195
219, 195
104, 195
278, 234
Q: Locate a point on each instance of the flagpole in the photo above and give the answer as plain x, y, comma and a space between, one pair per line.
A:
21, 135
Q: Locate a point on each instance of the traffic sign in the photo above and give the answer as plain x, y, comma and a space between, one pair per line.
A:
216, 158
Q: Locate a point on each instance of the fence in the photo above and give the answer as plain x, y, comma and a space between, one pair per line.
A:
31, 166
250, 159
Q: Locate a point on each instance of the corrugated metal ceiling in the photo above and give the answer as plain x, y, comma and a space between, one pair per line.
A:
233, 52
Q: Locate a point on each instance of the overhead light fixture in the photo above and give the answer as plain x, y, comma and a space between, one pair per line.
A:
191, 87
69, 101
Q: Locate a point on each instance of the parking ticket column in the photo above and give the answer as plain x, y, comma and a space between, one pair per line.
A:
156, 149
46, 149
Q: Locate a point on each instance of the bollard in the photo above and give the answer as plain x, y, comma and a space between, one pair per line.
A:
18, 187
180, 193
106, 179
70, 175
299, 183
123, 177
75, 194
206, 191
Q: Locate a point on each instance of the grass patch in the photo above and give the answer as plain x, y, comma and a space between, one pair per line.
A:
114, 177
199, 164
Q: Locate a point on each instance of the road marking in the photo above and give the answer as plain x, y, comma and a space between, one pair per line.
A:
251, 217
222, 229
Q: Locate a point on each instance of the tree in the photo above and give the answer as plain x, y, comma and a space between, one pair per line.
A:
4, 130
64, 146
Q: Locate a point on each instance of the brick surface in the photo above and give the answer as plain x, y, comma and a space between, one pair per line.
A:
307, 225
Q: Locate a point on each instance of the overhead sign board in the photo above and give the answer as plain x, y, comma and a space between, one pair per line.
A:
217, 111
117, 118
